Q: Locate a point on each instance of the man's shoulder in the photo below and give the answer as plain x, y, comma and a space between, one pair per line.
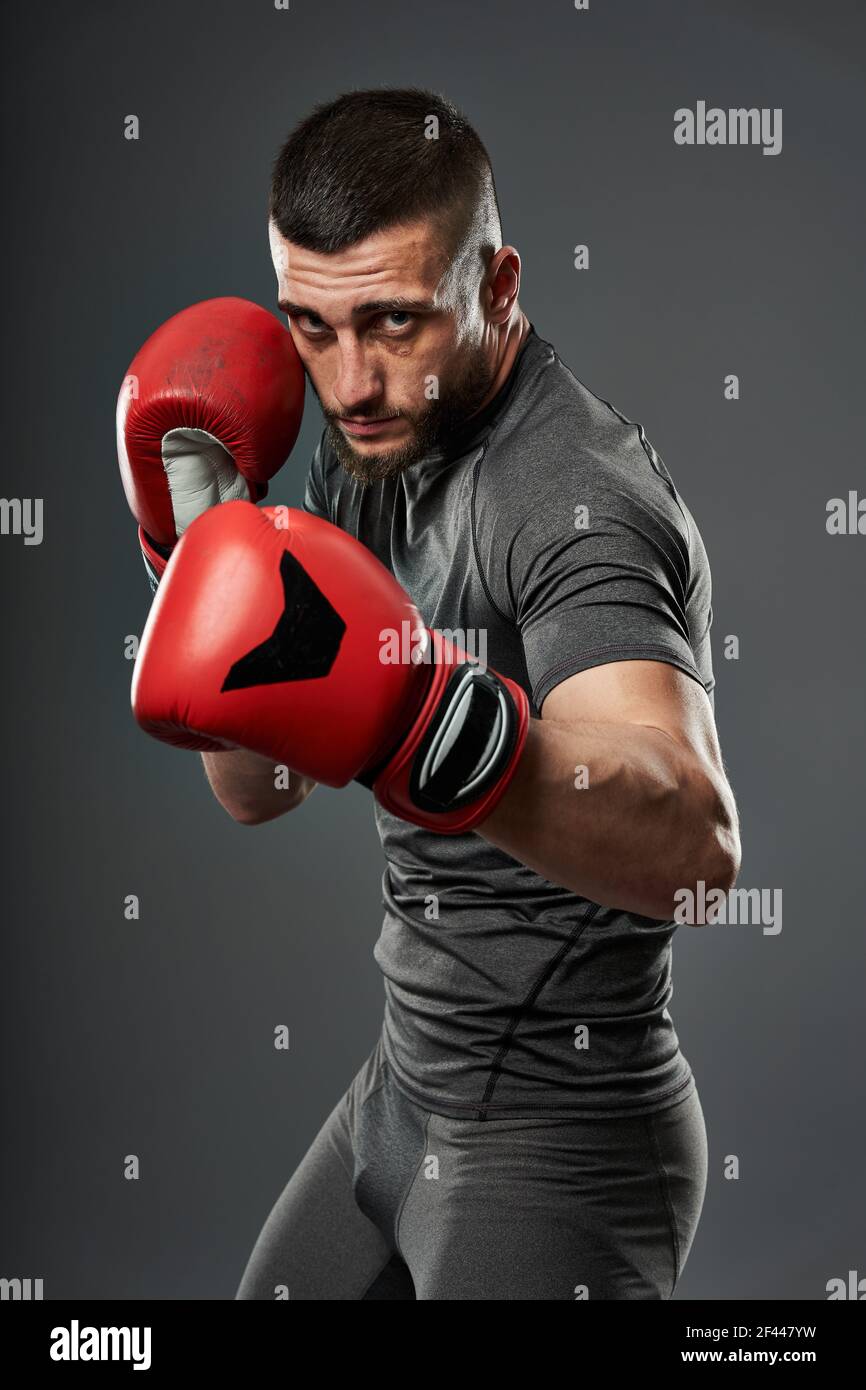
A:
560, 436
319, 489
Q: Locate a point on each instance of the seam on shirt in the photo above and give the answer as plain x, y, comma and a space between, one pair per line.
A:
652, 453
506, 1040
511, 619
475, 551
650, 450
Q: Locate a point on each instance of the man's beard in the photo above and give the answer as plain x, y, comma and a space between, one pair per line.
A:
432, 428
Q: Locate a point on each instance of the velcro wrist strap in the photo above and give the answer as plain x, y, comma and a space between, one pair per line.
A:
460, 755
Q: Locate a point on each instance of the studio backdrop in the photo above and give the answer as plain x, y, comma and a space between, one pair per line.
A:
710, 288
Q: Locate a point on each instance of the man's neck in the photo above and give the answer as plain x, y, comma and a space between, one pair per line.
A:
512, 340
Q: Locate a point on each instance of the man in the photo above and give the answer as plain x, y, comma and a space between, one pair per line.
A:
527, 1126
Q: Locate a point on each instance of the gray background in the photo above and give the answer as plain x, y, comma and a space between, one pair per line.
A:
155, 1038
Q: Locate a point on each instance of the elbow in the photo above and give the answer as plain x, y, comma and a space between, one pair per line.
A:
245, 787
254, 813
710, 873
258, 811
708, 864
241, 812
246, 815
723, 854
713, 863
719, 865
724, 866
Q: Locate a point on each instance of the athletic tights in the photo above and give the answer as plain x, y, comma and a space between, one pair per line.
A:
396, 1202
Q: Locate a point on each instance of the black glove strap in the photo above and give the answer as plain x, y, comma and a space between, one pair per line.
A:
467, 746
469, 742
163, 550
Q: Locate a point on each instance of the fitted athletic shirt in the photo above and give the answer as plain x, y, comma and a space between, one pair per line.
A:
549, 527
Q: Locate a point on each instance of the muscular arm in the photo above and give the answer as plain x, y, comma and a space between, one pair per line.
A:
657, 814
244, 784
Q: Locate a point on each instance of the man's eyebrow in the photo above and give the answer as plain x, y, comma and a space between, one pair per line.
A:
371, 306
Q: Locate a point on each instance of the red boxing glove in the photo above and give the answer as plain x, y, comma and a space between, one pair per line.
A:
208, 412
275, 631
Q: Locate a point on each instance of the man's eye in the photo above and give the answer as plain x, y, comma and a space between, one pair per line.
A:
310, 323
402, 315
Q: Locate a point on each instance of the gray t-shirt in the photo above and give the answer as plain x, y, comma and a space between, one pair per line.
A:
551, 527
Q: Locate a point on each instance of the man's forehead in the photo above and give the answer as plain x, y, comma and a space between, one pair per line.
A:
410, 253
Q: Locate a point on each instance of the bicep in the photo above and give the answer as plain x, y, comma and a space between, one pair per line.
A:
654, 694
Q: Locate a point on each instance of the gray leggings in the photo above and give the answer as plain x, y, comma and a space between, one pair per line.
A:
392, 1201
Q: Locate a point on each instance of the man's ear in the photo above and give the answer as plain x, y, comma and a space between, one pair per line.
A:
503, 284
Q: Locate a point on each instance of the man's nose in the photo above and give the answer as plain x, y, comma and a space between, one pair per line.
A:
359, 381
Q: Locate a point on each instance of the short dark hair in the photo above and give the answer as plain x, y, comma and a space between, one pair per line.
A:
365, 161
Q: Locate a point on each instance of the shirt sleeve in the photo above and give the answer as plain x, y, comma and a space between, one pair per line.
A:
602, 579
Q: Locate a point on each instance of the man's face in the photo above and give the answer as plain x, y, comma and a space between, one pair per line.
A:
392, 337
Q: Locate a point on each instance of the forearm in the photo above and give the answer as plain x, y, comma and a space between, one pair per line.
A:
251, 788
650, 820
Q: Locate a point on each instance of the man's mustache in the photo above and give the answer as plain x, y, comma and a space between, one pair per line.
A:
358, 416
